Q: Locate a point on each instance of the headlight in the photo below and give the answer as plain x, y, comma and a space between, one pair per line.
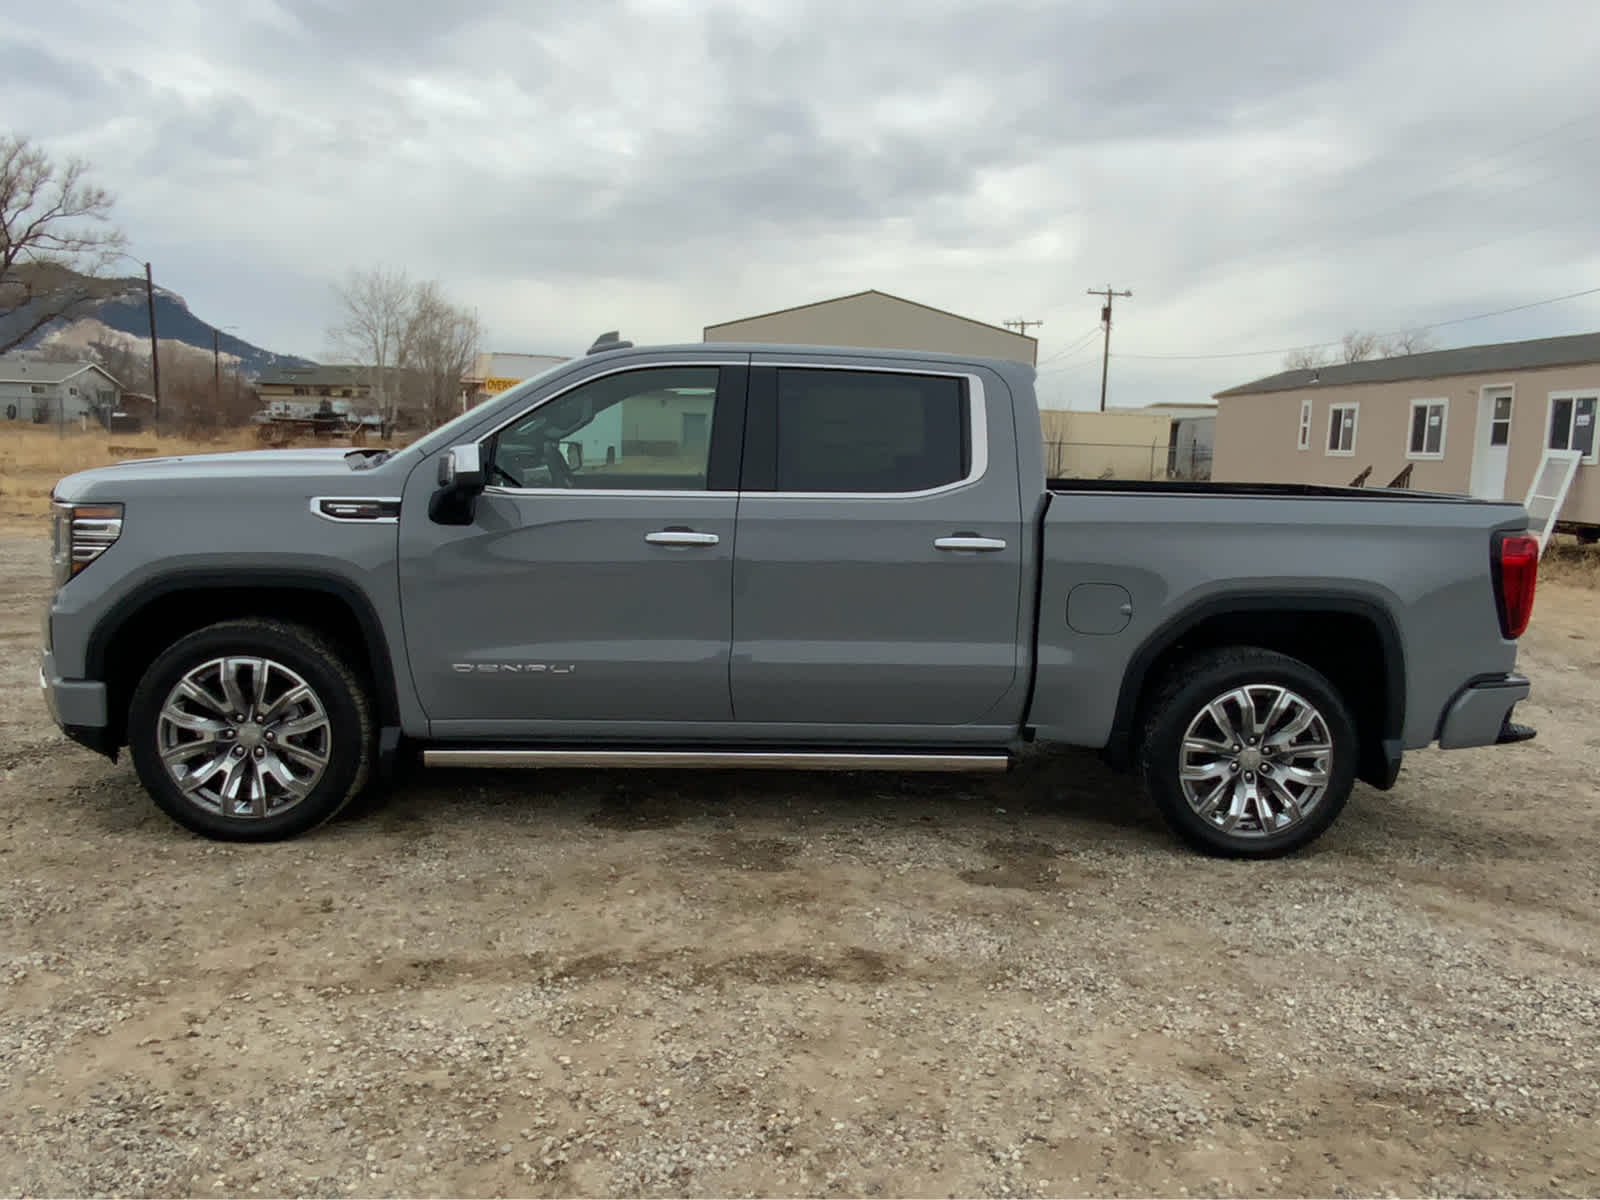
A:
81, 533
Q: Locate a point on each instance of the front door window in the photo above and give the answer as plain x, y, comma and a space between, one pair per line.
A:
643, 430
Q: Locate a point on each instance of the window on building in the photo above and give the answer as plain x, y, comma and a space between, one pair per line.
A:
1500, 422
36, 389
1427, 429
1572, 419
1342, 429
1304, 442
647, 430
870, 431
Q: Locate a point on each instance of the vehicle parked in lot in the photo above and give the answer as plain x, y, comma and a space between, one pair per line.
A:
769, 556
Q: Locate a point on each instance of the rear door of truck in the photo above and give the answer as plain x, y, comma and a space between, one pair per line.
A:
879, 555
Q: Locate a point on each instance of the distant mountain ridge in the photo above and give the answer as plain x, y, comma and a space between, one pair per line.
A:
119, 306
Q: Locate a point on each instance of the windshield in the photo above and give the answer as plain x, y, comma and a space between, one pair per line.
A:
447, 433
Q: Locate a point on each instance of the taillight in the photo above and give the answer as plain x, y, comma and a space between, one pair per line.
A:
1516, 569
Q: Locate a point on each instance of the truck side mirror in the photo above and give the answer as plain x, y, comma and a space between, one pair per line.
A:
461, 478
461, 469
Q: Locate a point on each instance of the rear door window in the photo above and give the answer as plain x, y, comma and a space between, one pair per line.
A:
870, 432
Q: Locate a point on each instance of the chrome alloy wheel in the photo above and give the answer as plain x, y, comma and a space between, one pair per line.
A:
1256, 760
244, 737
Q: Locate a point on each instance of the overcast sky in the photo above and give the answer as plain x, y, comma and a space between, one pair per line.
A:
1260, 174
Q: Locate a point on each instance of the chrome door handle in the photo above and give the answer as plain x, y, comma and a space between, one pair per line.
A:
969, 543
681, 537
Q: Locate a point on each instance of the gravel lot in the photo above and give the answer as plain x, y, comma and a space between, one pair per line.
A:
766, 984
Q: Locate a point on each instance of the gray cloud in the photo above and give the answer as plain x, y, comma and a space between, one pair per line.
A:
1261, 174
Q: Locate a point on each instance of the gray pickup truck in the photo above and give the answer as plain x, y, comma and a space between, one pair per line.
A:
772, 556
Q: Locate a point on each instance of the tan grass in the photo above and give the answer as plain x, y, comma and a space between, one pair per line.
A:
1567, 560
34, 457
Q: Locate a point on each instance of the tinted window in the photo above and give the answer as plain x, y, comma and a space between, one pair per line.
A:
646, 430
870, 431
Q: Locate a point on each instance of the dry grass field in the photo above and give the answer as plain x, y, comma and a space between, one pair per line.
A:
33, 457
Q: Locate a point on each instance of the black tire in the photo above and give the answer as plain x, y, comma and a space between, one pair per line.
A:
1183, 697
347, 742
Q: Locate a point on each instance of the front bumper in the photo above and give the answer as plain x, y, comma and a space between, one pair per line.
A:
1480, 714
78, 706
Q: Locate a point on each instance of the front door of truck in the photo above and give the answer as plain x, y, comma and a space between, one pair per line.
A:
878, 576
594, 583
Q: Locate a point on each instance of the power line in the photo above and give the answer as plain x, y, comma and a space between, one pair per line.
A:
1083, 341
1499, 312
1020, 325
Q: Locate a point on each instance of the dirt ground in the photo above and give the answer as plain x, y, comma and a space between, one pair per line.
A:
578, 983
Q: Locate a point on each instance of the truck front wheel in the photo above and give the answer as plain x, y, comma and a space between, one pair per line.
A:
1248, 753
251, 730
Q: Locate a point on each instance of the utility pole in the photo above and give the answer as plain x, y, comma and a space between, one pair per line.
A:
1105, 319
216, 374
155, 352
1020, 325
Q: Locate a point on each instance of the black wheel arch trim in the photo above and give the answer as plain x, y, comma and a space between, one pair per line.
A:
242, 578
1384, 763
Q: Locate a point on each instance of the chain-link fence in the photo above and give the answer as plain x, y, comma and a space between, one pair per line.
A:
1122, 460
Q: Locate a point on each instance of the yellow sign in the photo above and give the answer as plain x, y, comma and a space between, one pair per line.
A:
496, 386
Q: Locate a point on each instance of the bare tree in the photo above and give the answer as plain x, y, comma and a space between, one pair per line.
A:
374, 311
1412, 341
1306, 358
1357, 346
438, 346
53, 234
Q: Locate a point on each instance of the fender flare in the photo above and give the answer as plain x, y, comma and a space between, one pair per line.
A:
139, 598
1120, 748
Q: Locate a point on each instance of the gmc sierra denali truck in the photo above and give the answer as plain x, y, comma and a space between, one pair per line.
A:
774, 556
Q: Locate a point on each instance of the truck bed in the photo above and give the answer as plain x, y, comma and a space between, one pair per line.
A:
1184, 487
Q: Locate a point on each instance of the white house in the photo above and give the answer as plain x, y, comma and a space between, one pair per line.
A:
50, 391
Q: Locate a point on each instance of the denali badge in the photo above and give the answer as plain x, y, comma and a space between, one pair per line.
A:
505, 668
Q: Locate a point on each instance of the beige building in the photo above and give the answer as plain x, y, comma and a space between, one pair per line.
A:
1475, 420
490, 374
1118, 444
877, 319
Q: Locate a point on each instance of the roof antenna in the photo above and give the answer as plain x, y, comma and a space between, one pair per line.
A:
610, 340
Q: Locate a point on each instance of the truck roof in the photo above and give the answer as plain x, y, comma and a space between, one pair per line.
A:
1004, 365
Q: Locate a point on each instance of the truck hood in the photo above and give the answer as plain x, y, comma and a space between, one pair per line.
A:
327, 455
330, 462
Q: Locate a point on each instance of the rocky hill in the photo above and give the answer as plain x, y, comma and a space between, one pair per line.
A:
116, 315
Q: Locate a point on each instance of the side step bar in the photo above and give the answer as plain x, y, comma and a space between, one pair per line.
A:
703, 759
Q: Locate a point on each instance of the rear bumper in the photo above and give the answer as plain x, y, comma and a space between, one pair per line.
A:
1480, 714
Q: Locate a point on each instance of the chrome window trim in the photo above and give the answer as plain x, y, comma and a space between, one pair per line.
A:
316, 510
977, 419
619, 493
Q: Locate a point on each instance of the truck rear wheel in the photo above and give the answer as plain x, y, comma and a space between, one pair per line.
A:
251, 730
1248, 753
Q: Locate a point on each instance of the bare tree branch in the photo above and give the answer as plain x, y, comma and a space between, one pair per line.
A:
374, 310
441, 341
1413, 341
1307, 358
1358, 346
53, 233
413, 343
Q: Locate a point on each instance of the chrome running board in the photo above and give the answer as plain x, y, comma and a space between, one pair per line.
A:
799, 760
